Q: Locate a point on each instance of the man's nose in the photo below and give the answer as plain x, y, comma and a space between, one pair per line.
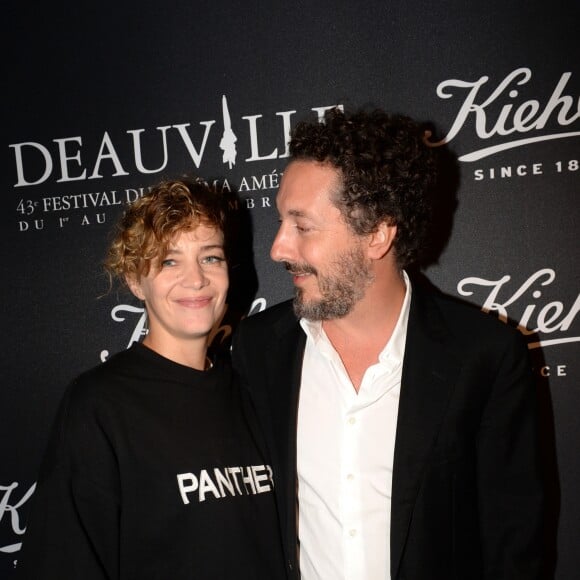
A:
281, 250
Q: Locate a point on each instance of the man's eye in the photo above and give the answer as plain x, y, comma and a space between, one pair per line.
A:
302, 229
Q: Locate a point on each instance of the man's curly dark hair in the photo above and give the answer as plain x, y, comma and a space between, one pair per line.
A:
388, 172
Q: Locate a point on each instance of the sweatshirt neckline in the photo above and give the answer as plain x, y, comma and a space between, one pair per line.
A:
171, 370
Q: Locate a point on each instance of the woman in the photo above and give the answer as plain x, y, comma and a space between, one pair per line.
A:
152, 471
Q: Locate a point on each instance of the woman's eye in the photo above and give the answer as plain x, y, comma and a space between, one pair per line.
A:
213, 259
168, 262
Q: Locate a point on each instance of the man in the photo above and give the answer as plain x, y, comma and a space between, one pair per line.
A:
401, 424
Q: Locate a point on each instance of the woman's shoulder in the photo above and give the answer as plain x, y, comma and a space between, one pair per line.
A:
104, 378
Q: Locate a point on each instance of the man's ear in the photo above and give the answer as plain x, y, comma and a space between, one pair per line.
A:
135, 286
381, 241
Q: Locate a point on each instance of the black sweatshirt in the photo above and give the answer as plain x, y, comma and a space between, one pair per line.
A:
152, 472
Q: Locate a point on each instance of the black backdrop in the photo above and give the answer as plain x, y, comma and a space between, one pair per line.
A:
100, 102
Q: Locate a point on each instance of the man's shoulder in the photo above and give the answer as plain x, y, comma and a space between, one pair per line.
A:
467, 321
281, 314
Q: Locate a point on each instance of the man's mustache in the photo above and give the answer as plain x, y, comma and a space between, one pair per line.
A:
299, 269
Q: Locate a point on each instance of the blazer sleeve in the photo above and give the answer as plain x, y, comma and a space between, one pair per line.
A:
509, 479
73, 529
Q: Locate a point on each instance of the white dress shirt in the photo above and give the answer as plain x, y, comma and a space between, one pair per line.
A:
345, 446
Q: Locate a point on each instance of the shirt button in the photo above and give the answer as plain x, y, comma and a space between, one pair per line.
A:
352, 533
350, 476
351, 420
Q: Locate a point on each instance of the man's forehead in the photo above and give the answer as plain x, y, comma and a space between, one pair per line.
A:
306, 184
310, 169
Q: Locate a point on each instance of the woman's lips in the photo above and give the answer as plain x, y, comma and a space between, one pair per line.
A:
194, 303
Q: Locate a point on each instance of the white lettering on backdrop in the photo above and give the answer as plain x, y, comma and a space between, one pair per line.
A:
527, 116
547, 319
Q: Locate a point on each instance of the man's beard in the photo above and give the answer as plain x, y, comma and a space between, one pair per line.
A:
340, 290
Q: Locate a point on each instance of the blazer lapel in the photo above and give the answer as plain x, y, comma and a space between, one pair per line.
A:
428, 378
283, 363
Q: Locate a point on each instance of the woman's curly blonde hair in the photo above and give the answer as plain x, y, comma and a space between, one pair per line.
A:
150, 224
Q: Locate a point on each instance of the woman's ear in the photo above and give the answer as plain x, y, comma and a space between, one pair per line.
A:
134, 285
381, 241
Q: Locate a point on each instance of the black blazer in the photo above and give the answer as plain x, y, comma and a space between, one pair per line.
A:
466, 496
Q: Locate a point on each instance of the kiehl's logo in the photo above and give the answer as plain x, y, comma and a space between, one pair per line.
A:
482, 106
